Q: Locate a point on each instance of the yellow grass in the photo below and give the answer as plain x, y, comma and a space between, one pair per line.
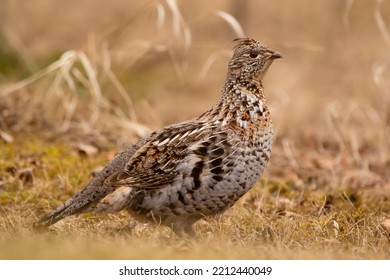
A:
103, 77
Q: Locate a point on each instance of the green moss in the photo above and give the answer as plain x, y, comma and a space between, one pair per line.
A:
274, 220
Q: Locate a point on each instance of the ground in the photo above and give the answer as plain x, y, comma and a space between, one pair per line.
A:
69, 103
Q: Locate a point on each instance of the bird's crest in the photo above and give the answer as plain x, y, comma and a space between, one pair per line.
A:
246, 42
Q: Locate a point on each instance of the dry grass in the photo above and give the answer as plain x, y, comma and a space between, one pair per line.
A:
326, 193
285, 217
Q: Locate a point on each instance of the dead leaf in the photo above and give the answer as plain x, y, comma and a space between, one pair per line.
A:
386, 225
26, 176
87, 149
6, 136
96, 171
111, 154
323, 163
290, 214
362, 179
34, 160
12, 170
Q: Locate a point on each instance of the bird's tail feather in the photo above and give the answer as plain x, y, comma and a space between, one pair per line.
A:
91, 194
79, 203
66, 209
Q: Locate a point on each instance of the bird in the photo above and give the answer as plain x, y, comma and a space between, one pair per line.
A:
193, 169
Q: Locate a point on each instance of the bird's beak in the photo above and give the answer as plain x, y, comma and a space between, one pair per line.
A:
276, 55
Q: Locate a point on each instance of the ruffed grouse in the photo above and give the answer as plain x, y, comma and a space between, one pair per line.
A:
192, 169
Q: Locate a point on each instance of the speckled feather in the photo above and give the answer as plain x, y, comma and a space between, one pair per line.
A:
200, 167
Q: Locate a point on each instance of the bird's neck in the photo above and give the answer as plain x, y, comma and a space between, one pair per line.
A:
240, 90
242, 104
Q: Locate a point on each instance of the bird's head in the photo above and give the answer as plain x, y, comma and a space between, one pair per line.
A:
250, 60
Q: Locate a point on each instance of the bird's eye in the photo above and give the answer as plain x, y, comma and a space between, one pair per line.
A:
253, 54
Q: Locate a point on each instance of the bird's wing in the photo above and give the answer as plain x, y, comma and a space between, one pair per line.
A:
151, 163
156, 162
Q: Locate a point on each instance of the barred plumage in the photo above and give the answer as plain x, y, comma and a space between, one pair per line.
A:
200, 167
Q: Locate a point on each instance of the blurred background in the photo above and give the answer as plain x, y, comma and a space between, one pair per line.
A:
80, 79
114, 70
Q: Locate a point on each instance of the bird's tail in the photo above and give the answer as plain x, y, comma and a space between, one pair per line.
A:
59, 213
91, 194
77, 204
